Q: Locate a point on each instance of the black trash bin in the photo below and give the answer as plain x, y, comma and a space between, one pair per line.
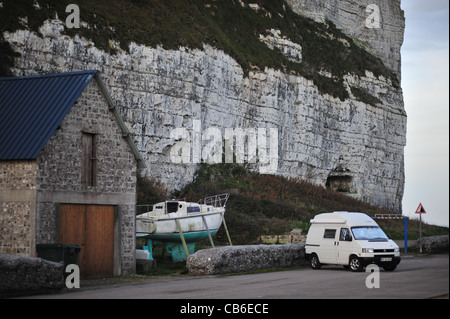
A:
59, 252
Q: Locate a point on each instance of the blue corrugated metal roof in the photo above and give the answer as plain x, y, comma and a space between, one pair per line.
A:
32, 108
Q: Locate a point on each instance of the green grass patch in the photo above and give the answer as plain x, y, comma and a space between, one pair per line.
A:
224, 24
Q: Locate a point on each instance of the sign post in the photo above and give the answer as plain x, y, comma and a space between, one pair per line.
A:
405, 220
420, 210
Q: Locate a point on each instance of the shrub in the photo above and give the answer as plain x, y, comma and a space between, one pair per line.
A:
149, 190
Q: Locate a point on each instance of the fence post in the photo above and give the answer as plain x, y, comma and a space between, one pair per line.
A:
406, 234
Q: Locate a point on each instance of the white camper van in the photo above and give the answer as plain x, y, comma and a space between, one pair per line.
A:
353, 240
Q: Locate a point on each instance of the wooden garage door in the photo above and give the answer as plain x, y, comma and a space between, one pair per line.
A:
92, 228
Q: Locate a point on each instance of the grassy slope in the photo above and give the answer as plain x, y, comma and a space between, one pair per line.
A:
270, 205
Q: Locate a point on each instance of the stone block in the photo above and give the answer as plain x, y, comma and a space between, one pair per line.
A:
434, 244
234, 259
20, 275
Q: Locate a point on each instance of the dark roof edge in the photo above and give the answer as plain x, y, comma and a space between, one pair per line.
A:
126, 134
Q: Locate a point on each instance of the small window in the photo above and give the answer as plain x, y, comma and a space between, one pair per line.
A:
345, 235
329, 233
172, 207
89, 169
193, 209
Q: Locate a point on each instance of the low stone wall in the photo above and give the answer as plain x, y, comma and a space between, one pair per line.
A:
434, 244
234, 259
20, 275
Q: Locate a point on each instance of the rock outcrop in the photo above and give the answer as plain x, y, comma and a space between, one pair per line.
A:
433, 244
21, 275
235, 259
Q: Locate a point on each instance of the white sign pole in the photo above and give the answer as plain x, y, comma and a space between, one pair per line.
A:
420, 227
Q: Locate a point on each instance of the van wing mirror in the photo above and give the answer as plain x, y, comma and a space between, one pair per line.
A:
348, 237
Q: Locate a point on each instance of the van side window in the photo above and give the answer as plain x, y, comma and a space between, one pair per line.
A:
345, 234
329, 233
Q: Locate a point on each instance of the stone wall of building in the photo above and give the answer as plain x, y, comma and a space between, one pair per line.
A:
17, 206
59, 178
31, 191
128, 239
60, 162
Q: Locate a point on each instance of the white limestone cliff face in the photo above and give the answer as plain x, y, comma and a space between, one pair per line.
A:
355, 18
349, 145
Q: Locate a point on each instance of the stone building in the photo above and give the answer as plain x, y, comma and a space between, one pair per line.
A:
67, 171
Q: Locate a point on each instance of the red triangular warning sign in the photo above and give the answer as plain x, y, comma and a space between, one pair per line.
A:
420, 209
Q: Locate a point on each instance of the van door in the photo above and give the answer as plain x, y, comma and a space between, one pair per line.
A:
327, 254
344, 247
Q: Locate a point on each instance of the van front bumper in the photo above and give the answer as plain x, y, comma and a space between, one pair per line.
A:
380, 260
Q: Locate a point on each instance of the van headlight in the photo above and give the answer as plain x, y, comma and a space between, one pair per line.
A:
367, 250
396, 249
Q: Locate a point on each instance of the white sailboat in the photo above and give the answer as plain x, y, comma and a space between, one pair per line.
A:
179, 224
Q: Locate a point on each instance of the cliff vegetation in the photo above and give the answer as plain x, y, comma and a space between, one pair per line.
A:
233, 26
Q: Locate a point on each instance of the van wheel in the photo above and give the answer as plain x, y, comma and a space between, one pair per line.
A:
355, 264
314, 262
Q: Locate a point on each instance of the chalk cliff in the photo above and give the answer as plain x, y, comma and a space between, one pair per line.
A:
383, 39
352, 140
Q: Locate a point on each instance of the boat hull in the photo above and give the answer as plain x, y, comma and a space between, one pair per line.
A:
178, 225
176, 238
174, 245
194, 227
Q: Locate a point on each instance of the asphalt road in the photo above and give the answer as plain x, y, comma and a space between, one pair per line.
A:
415, 277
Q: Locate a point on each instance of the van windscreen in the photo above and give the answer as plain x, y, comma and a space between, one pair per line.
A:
372, 233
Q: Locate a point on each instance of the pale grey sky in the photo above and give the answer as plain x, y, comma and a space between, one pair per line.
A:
425, 82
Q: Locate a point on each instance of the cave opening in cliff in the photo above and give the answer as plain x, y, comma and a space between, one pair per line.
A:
340, 183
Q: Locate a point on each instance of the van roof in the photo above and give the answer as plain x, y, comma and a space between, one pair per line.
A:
349, 218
